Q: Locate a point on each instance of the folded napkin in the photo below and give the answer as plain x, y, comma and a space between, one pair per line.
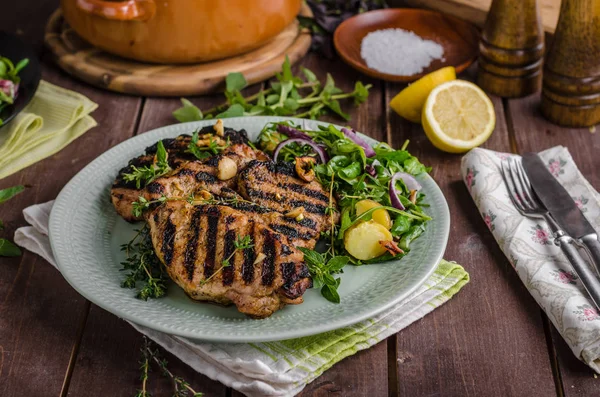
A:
53, 119
281, 368
528, 244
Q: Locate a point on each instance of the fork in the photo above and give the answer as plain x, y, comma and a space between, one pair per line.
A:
525, 201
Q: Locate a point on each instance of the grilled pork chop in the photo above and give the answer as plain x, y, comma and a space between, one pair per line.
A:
276, 186
193, 241
124, 193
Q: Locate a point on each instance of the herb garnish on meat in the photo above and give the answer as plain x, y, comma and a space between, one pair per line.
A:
144, 175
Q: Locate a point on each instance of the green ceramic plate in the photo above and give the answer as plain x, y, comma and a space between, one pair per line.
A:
86, 233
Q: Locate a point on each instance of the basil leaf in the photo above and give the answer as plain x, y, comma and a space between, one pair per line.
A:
235, 110
235, 82
8, 193
8, 249
189, 112
336, 263
330, 293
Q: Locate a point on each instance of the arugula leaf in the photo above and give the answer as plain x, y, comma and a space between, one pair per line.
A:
8, 249
414, 167
8, 193
189, 112
400, 226
235, 82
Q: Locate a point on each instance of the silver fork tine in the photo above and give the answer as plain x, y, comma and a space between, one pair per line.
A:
521, 197
507, 176
526, 186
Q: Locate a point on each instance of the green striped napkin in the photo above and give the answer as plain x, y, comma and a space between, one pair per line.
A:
54, 118
284, 368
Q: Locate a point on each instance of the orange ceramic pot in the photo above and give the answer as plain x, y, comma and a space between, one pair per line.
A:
179, 31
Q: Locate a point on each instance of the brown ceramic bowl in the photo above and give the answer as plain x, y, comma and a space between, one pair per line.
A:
460, 39
179, 31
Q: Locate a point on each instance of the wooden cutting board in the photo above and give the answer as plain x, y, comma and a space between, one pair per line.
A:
476, 10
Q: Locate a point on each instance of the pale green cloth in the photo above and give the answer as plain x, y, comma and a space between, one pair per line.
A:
54, 118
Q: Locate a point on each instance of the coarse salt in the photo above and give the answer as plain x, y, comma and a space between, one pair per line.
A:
399, 52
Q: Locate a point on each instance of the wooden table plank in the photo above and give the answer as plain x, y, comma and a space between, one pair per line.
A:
41, 314
489, 340
533, 134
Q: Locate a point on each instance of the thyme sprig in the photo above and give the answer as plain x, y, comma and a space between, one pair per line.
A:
240, 243
144, 175
181, 388
144, 270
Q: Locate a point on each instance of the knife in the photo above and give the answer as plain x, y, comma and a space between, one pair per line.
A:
559, 203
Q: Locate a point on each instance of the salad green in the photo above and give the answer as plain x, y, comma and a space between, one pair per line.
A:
9, 81
351, 176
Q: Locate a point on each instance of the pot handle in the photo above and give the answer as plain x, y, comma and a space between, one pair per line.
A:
130, 10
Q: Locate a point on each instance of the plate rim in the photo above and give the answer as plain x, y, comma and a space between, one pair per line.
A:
195, 335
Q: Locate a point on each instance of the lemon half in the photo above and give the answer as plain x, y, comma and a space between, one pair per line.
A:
409, 102
458, 116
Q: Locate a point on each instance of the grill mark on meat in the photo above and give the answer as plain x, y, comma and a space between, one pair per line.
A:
249, 258
185, 172
250, 207
213, 161
281, 168
154, 187
229, 220
285, 250
227, 272
205, 177
290, 232
294, 187
192, 245
268, 265
211, 241
306, 222
288, 271
309, 207
168, 243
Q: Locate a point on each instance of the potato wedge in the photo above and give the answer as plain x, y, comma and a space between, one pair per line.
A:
380, 216
362, 240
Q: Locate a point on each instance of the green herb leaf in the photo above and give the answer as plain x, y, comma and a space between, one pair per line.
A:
330, 293
235, 82
336, 263
189, 112
8, 193
235, 110
8, 249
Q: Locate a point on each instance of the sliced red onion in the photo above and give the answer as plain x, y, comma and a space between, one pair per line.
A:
292, 132
8, 87
410, 182
316, 148
371, 170
353, 136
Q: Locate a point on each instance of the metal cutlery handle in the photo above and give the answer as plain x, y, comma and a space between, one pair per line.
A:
586, 275
593, 246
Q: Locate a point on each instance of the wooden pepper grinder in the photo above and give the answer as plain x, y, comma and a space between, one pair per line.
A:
571, 89
511, 49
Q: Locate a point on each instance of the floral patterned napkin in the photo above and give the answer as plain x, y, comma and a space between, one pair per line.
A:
528, 244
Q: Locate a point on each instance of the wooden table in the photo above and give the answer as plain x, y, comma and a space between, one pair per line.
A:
490, 340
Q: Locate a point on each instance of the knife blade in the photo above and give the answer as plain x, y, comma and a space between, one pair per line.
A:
561, 205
